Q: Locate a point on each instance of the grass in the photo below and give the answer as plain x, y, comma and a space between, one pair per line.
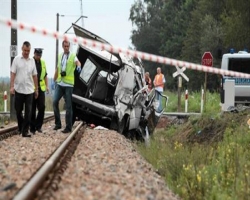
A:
211, 103
205, 158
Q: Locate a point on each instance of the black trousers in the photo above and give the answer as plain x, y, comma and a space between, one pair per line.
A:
23, 100
39, 104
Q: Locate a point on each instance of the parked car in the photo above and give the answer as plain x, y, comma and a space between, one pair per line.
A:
110, 91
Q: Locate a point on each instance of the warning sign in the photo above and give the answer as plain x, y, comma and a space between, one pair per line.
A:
13, 50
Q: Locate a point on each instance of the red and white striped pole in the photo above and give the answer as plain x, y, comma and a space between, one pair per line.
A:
5, 101
202, 100
186, 101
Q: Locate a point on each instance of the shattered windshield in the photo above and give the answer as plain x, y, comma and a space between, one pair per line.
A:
87, 70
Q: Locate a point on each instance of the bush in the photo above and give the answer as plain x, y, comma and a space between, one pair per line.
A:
206, 157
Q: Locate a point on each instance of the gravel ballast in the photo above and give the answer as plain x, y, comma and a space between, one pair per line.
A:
21, 157
105, 165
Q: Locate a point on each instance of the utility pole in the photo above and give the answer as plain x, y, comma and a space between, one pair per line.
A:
82, 14
57, 29
13, 53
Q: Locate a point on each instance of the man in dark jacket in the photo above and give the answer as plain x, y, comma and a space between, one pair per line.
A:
39, 103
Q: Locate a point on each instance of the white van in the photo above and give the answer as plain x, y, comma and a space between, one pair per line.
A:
239, 62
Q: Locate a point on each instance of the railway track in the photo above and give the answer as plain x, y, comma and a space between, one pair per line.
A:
13, 130
54, 166
43, 172
85, 164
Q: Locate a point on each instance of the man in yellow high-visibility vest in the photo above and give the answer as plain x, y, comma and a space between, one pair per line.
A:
65, 80
39, 103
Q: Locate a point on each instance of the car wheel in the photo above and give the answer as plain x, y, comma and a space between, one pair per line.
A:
123, 125
143, 135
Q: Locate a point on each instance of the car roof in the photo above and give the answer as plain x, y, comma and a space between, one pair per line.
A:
106, 60
84, 33
237, 55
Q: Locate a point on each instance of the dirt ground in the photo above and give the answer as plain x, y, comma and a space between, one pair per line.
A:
166, 121
205, 129
163, 122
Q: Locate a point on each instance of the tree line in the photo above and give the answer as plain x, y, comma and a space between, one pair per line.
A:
185, 29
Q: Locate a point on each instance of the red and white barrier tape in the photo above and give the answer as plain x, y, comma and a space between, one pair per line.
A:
113, 49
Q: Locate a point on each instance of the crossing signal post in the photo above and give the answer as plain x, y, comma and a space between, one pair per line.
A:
180, 73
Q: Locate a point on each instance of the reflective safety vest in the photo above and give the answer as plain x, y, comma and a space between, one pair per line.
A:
42, 76
70, 68
159, 80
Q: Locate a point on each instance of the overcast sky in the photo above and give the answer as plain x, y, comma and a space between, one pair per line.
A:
106, 18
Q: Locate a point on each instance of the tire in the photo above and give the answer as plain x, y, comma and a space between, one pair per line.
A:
123, 125
143, 135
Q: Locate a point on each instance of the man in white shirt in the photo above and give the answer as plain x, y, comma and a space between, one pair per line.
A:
23, 85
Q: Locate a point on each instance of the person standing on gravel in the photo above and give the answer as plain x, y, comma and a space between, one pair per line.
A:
64, 76
159, 82
23, 82
39, 103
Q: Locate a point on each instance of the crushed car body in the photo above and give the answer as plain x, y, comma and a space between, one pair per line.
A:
110, 91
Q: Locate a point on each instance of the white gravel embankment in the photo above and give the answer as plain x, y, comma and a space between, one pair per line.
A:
106, 166
21, 157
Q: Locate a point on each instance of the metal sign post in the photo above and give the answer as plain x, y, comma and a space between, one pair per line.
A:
207, 60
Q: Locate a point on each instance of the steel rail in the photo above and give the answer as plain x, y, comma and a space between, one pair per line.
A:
32, 186
12, 130
181, 114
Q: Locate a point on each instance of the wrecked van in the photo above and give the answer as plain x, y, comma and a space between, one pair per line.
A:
110, 91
